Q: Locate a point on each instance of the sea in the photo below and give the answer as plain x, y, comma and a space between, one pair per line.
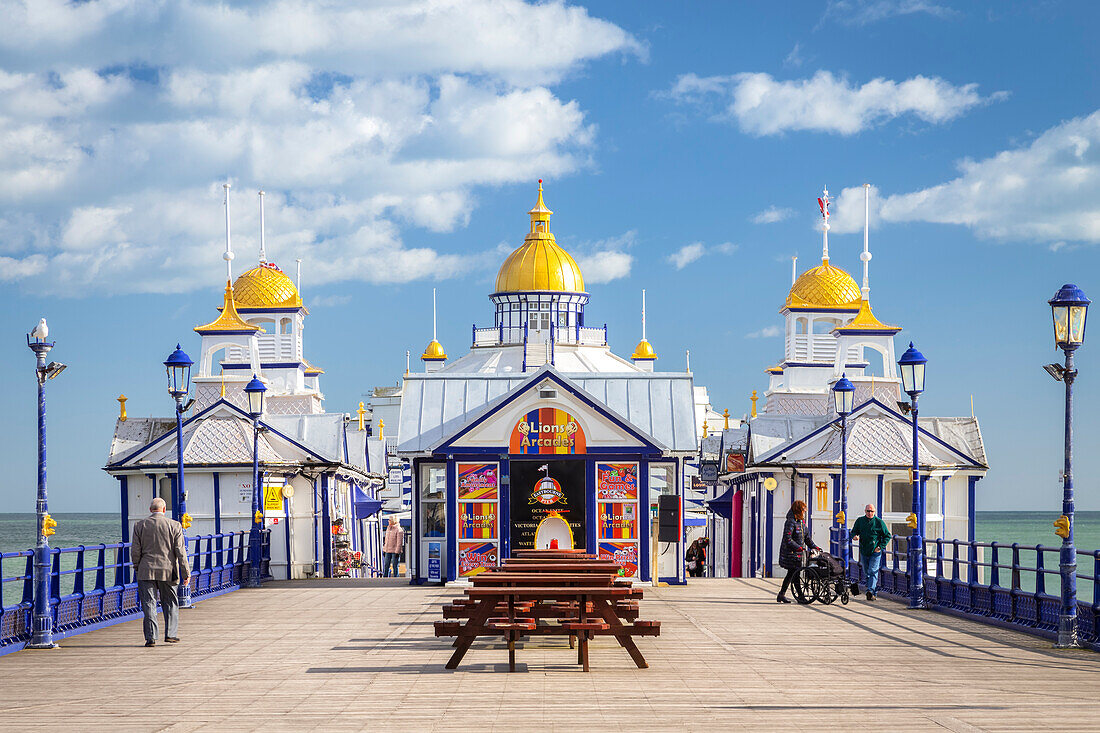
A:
17, 532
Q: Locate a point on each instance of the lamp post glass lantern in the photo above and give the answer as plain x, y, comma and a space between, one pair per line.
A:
911, 365
255, 390
843, 399
178, 366
1069, 307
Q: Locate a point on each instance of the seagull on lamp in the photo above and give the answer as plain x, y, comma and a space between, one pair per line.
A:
41, 331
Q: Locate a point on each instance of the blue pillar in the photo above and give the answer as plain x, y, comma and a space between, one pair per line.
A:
504, 518
1067, 557
326, 528
644, 538
591, 538
122, 574
916, 540
769, 526
41, 620
452, 521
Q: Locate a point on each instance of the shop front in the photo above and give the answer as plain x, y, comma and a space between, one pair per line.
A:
538, 471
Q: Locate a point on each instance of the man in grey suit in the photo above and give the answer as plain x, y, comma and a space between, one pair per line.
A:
160, 563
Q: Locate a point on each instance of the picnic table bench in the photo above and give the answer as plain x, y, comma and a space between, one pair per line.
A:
592, 613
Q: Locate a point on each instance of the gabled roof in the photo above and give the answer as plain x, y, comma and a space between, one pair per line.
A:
657, 405
877, 436
221, 434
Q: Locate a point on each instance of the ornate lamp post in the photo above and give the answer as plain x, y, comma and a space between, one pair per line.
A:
1069, 306
41, 621
843, 398
255, 391
911, 365
178, 367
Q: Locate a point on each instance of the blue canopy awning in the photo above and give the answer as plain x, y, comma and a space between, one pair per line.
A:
364, 505
723, 505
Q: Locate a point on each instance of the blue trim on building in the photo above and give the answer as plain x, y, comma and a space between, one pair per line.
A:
971, 525
644, 538
326, 524
124, 510
769, 529
286, 530
878, 507
505, 507
451, 570
591, 540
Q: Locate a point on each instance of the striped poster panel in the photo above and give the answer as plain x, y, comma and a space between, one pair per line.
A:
547, 431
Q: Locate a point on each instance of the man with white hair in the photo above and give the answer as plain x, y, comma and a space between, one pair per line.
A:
160, 563
873, 535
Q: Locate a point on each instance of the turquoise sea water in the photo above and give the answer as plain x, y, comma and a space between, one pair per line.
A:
17, 532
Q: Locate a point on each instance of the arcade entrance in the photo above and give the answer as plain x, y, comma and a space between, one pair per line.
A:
540, 488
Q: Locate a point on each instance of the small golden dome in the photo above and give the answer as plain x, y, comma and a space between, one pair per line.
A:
824, 287
539, 263
434, 352
644, 351
266, 286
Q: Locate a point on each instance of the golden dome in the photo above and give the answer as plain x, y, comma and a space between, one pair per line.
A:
434, 352
229, 320
539, 263
644, 351
266, 286
824, 287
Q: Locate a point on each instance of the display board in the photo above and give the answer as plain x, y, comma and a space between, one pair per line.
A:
540, 488
617, 514
547, 431
478, 517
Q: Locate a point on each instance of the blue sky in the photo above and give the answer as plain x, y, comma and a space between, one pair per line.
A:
682, 148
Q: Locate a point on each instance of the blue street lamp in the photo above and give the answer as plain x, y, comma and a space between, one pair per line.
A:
1069, 307
178, 367
41, 621
255, 392
911, 365
843, 399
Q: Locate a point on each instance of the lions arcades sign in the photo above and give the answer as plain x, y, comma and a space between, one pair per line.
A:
547, 430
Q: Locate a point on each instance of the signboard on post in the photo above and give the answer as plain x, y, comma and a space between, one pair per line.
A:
273, 498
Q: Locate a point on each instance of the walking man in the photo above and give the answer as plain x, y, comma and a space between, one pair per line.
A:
160, 562
873, 537
391, 547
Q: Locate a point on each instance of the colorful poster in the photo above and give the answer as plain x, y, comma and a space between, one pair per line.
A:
477, 481
618, 520
477, 520
473, 557
547, 430
624, 554
616, 481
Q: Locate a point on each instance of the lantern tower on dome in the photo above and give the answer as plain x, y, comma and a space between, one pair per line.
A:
259, 331
829, 324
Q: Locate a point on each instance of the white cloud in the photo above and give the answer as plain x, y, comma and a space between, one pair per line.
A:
364, 122
864, 12
607, 259
1043, 192
772, 214
765, 333
794, 58
689, 253
762, 105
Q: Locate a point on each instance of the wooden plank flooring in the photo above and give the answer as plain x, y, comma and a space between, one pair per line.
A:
351, 655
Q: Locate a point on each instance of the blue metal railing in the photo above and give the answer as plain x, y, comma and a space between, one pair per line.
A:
86, 596
1003, 584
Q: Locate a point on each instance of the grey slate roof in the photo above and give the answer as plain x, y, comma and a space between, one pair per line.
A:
435, 406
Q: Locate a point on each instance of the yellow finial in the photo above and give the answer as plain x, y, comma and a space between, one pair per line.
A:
381, 429
361, 412
704, 428
122, 408
726, 414
540, 215
222, 375
754, 398
230, 319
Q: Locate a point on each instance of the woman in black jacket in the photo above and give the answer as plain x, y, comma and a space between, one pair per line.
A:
795, 540
697, 552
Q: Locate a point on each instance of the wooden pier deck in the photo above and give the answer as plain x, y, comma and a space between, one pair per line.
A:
356, 655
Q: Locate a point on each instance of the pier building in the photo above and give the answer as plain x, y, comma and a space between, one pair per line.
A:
320, 471
541, 434
830, 330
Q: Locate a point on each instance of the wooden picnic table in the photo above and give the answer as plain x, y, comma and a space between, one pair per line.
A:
605, 620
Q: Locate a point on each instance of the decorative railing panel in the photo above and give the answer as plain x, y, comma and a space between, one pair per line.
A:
92, 586
997, 583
